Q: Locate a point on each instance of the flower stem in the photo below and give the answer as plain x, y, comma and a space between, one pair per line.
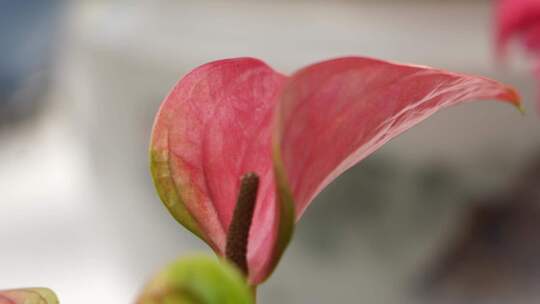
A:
254, 293
238, 234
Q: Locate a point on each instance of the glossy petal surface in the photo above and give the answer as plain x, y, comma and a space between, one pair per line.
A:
214, 127
197, 280
335, 113
220, 122
28, 296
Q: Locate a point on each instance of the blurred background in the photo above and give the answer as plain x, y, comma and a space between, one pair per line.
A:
446, 213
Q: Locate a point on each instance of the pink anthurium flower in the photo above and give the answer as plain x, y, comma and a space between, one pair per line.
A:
28, 296
296, 133
521, 19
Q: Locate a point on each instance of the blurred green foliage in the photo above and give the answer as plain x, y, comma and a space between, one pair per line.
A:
197, 280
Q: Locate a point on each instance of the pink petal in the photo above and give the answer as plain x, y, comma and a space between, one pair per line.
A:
214, 127
531, 39
335, 113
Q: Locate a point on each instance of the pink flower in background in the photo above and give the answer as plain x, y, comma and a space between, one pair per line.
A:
297, 133
519, 19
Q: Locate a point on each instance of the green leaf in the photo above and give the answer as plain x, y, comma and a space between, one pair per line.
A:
197, 280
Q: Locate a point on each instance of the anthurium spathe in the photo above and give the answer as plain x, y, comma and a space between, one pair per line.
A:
28, 296
229, 122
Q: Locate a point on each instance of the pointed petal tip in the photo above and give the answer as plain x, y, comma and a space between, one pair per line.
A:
521, 109
515, 99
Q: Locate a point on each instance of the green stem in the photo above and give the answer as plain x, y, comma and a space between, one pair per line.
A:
254, 293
